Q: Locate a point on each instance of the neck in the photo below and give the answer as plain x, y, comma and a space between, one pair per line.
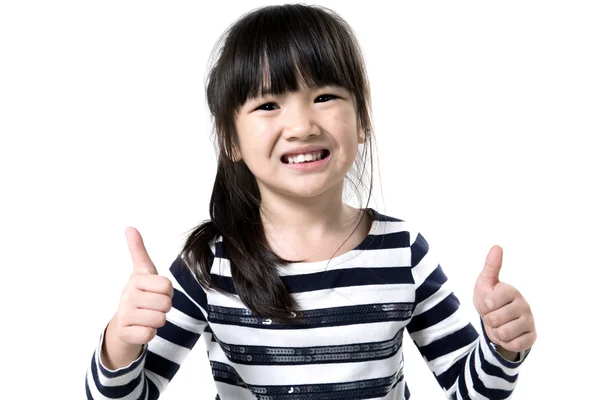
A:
307, 219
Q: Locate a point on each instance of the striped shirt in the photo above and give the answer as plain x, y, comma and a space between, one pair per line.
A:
348, 343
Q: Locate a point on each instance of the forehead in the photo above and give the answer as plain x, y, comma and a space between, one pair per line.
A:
288, 78
282, 53
267, 90
295, 78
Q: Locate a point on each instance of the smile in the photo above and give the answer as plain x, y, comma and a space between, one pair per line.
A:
306, 158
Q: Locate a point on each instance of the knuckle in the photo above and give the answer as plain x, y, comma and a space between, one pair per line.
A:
161, 284
168, 304
166, 285
527, 341
501, 334
162, 320
519, 344
147, 335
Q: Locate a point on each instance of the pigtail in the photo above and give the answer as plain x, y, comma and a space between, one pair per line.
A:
235, 216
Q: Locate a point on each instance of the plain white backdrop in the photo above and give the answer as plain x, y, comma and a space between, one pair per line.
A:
486, 116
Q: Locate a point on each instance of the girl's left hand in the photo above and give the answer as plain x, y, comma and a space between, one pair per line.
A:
505, 313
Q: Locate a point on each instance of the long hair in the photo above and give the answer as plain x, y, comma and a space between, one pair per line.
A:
271, 50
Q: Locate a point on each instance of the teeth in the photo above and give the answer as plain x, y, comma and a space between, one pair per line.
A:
300, 158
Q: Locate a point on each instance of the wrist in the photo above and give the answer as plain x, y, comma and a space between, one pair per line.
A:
115, 353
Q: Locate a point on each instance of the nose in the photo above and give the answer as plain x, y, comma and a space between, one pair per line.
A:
299, 124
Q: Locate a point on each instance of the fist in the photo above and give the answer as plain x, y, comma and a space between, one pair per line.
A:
506, 315
146, 298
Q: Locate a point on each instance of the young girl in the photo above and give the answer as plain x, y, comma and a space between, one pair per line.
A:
297, 294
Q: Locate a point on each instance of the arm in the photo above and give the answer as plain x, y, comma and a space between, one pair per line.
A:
465, 364
148, 375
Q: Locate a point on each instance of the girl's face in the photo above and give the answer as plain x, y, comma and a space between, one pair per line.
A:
299, 144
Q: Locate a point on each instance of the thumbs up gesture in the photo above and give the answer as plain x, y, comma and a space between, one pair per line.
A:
506, 315
146, 298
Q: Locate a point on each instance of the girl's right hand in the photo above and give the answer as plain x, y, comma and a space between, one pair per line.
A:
146, 298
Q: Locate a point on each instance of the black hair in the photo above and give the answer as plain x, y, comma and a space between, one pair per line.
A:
270, 50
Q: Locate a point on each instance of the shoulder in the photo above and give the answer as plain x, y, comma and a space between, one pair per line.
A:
398, 232
384, 224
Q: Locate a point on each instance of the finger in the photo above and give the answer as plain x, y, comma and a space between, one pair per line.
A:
153, 302
154, 284
520, 343
137, 334
502, 295
490, 275
147, 318
505, 314
513, 329
141, 260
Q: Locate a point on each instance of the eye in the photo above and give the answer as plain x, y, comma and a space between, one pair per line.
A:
325, 97
267, 106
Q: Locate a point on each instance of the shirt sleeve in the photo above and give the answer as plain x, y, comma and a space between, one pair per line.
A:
148, 376
465, 363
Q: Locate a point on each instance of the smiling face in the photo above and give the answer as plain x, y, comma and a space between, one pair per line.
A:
299, 144
290, 79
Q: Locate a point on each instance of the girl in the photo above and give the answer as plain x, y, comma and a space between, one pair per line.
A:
296, 293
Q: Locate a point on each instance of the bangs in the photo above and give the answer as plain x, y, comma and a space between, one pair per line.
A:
279, 49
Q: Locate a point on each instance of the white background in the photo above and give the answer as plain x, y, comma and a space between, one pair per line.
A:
486, 116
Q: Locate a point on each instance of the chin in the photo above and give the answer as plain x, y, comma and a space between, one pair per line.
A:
304, 189
305, 195
311, 191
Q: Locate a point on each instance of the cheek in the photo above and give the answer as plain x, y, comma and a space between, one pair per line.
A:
346, 129
256, 137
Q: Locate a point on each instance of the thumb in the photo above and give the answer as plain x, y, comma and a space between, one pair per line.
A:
141, 260
490, 275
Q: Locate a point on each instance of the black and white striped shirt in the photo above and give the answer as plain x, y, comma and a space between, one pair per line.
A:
348, 343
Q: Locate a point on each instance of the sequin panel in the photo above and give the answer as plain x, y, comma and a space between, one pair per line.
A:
261, 355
